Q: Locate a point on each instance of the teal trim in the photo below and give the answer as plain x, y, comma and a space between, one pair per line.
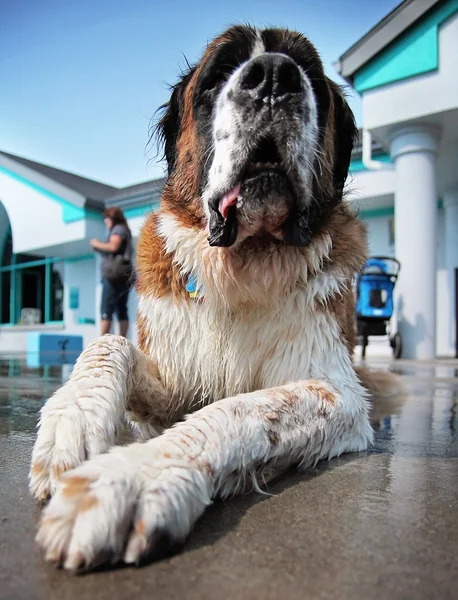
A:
386, 211
357, 165
78, 258
70, 212
140, 211
415, 52
32, 263
75, 213
46, 261
86, 321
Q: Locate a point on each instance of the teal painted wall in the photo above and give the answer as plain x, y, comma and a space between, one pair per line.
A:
413, 53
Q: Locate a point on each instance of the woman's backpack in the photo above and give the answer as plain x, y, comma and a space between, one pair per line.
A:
119, 267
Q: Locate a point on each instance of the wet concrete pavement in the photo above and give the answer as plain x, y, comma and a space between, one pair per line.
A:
380, 524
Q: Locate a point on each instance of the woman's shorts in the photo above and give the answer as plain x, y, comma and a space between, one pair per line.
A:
114, 300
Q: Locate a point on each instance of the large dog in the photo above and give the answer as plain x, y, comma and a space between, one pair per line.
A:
245, 315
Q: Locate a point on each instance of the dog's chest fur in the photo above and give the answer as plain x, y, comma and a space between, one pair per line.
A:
204, 353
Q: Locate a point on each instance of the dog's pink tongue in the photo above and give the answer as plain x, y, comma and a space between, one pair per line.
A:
228, 200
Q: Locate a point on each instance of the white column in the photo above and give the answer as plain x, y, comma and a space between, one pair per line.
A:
451, 253
414, 150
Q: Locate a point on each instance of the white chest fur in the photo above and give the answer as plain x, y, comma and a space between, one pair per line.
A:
204, 354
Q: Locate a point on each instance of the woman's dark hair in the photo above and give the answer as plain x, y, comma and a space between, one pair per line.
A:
116, 215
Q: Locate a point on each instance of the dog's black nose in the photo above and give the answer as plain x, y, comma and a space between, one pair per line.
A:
270, 76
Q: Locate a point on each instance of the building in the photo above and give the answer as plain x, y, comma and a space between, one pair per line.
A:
47, 217
403, 178
405, 69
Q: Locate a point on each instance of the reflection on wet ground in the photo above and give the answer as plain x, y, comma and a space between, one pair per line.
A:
23, 390
379, 524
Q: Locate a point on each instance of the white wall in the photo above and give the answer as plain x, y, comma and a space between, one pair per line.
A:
80, 275
36, 221
378, 236
364, 188
132, 307
135, 225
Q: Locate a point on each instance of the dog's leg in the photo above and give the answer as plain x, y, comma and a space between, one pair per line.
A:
144, 498
81, 419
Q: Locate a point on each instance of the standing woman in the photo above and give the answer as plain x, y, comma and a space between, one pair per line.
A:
117, 270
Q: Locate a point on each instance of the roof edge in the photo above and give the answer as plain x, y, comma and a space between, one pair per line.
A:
381, 35
150, 197
43, 181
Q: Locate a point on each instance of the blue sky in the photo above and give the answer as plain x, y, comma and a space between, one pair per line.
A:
81, 79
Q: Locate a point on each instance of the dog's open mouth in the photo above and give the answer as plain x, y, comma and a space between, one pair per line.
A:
264, 200
265, 160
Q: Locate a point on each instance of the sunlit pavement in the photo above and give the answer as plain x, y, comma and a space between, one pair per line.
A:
379, 524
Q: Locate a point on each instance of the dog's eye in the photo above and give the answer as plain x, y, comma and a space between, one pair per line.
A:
209, 88
213, 83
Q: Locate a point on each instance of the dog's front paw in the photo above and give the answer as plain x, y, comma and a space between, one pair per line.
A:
73, 427
120, 506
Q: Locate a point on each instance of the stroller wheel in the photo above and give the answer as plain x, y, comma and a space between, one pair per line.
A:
396, 344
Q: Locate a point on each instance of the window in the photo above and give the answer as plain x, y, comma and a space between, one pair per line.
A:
56, 300
31, 287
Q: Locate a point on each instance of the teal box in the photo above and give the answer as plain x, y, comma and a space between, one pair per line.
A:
38, 342
52, 349
74, 298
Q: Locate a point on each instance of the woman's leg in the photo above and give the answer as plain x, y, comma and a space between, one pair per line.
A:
107, 308
105, 327
123, 316
123, 328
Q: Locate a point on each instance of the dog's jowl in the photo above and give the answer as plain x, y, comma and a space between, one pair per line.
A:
245, 315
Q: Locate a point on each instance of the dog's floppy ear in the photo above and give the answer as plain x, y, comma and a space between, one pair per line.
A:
168, 127
345, 133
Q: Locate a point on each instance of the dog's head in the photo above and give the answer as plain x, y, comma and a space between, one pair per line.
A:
257, 140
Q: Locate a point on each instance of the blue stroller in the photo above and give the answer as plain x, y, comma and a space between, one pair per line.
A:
374, 307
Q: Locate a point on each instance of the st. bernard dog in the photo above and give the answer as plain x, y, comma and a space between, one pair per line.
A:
245, 317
